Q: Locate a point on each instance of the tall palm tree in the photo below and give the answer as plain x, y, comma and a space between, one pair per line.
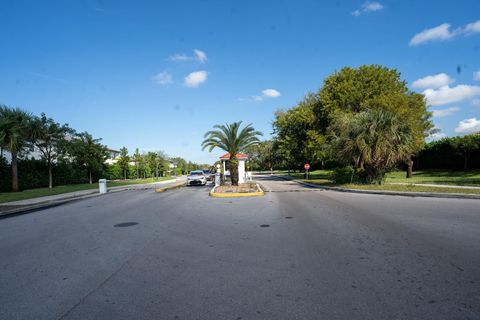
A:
230, 138
15, 135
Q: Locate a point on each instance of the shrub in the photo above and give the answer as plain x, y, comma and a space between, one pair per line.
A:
344, 175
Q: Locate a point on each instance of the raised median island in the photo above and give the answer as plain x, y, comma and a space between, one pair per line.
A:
249, 189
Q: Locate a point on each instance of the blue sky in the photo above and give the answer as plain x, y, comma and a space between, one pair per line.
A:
157, 74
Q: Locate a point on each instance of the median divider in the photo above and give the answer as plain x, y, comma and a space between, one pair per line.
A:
175, 186
215, 194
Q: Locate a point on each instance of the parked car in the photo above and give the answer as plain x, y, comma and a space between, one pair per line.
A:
196, 177
209, 175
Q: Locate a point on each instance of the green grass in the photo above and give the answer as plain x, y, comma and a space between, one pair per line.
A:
459, 178
41, 192
442, 177
393, 187
317, 174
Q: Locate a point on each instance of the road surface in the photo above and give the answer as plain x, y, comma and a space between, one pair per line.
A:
296, 253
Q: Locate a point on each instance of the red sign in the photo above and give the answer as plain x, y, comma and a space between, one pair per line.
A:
306, 166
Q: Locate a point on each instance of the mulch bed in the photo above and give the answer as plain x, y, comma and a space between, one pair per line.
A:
241, 188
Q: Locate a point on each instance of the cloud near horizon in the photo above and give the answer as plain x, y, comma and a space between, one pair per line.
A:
443, 32
433, 82
196, 78
446, 94
468, 126
440, 113
368, 7
267, 94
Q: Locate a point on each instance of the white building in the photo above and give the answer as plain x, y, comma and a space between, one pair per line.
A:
241, 157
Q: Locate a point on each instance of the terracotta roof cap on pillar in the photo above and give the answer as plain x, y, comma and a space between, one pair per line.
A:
239, 156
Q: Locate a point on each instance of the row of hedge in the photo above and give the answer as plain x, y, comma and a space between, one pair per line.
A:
34, 174
454, 153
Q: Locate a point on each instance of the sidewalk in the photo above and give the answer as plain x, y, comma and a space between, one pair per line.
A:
39, 202
433, 185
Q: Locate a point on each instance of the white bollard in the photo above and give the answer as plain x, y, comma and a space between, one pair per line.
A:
102, 185
217, 179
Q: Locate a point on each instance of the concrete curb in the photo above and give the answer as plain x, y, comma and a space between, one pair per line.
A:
237, 194
54, 203
176, 186
389, 193
47, 204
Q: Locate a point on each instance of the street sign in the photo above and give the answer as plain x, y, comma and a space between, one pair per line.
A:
306, 166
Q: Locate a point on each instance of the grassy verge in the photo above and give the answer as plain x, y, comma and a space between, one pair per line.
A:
41, 192
441, 177
459, 178
393, 187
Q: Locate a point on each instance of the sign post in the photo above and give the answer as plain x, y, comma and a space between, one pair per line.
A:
306, 166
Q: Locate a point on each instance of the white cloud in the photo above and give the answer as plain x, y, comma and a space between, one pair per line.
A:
443, 32
266, 94
435, 136
473, 27
180, 57
468, 126
368, 7
163, 78
445, 112
446, 94
271, 93
196, 78
200, 55
433, 82
476, 75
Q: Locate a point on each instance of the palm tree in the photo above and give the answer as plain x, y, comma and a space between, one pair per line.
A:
375, 141
15, 135
230, 138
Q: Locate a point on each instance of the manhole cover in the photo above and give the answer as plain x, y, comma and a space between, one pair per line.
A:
264, 225
125, 224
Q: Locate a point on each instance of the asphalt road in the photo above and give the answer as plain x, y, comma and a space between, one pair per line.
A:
296, 253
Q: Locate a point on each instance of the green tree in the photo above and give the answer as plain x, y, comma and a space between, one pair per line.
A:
123, 161
375, 141
299, 134
262, 155
465, 145
230, 138
16, 134
152, 163
137, 159
88, 153
50, 136
354, 90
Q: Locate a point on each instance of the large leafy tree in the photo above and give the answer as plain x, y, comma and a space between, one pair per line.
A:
16, 134
371, 87
374, 141
50, 137
231, 138
88, 153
